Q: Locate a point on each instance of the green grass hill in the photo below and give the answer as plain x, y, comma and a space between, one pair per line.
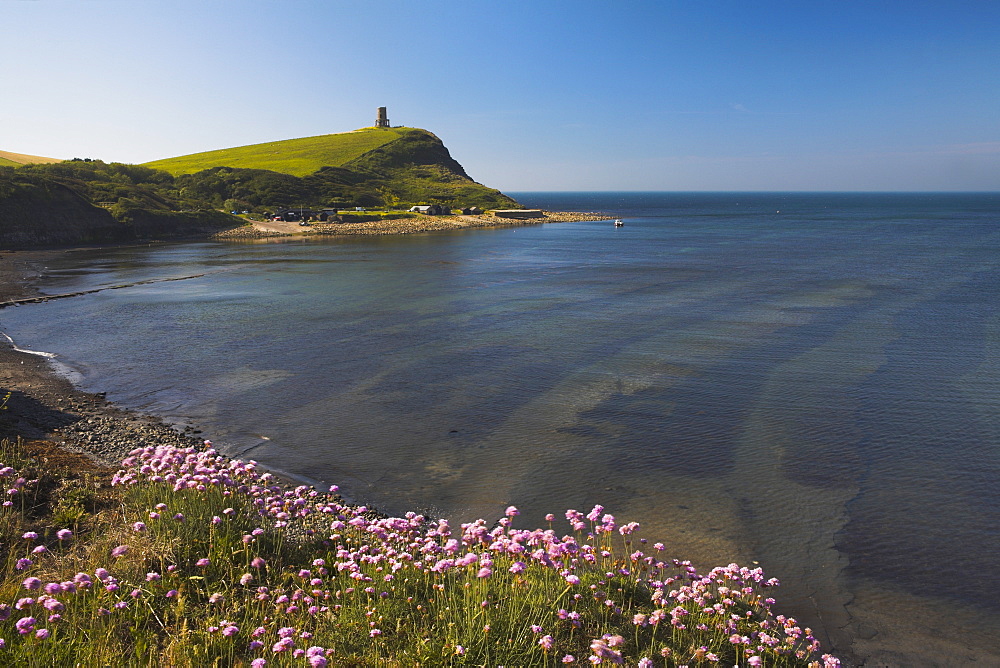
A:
298, 157
366, 167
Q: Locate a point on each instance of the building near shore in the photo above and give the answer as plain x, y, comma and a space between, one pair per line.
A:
431, 209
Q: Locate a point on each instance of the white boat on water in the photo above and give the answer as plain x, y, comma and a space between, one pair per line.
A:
618, 222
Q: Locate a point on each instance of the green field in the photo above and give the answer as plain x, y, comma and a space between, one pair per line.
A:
298, 157
8, 159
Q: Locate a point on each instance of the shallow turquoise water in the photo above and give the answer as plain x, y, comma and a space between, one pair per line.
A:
806, 380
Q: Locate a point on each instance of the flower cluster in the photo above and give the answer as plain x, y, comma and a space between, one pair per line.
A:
266, 575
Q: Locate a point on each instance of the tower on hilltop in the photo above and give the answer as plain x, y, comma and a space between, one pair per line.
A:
381, 120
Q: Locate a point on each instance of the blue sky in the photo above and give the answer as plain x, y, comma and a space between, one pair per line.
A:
536, 95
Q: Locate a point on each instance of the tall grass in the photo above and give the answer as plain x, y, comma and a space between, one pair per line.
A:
197, 560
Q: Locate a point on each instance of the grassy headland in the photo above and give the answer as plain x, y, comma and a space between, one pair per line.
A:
90, 201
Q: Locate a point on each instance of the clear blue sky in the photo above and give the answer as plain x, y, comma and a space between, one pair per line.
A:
529, 95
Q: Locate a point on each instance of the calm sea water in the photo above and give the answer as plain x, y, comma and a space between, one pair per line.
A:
810, 381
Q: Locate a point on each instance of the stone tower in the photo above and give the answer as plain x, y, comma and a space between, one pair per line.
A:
381, 121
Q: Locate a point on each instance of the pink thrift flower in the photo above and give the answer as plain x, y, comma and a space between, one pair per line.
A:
119, 551
64, 534
42, 633
546, 642
30, 535
32, 583
569, 658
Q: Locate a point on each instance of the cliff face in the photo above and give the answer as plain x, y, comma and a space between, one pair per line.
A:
414, 148
38, 212
417, 167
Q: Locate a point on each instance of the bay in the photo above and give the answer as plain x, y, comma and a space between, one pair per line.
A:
805, 380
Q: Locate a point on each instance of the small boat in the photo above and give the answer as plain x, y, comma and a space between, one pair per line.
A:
618, 222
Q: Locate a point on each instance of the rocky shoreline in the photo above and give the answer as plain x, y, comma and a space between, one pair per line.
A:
44, 406
262, 230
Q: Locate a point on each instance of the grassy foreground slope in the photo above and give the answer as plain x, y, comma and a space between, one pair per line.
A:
297, 157
188, 559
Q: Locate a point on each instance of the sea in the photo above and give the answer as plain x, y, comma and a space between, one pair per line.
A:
809, 382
